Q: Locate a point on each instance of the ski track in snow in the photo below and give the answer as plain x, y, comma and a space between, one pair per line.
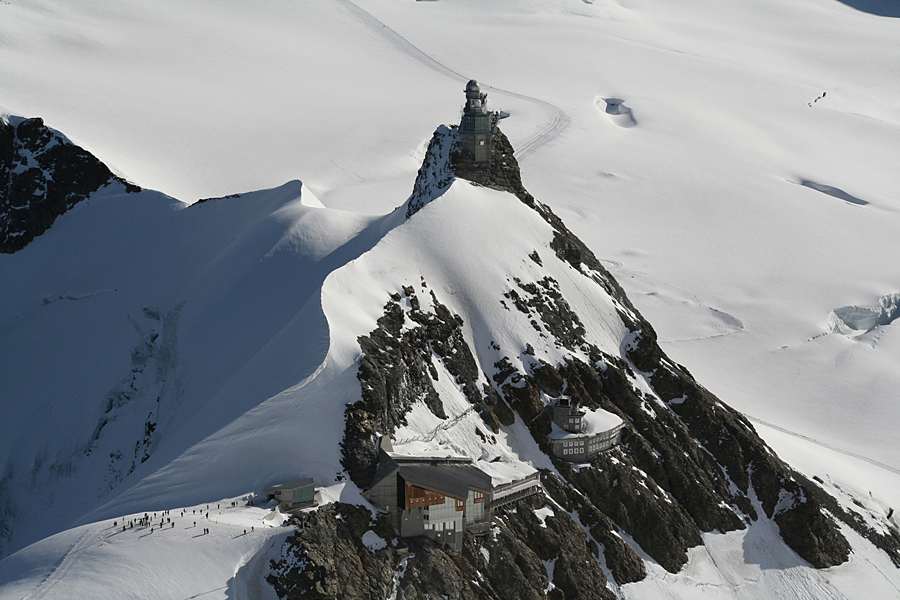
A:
559, 120
823, 444
65, 565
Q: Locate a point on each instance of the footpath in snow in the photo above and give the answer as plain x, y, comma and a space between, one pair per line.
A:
209, 551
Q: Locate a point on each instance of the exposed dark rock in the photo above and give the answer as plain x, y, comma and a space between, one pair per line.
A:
624, 564
687, 463
502, 173
327, 559
397, 369
888, 542
42, 175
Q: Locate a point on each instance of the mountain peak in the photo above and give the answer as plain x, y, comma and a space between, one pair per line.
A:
44, 175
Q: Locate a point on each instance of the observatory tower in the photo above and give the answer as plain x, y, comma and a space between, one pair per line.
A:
476, 128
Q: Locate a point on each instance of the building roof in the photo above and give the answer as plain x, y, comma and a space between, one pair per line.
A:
452, 476
293, 484
595, 421
451, 480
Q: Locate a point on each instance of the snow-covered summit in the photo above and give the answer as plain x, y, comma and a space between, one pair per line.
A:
219, 348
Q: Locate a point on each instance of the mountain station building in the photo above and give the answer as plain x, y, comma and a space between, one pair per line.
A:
477, 125
299, 493
578, 434
439, 498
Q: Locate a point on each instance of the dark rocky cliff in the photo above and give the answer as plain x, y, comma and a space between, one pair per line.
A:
688, 463
42, 175
326, 558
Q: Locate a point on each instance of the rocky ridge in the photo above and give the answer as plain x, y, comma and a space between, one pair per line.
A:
43, 175
688, 463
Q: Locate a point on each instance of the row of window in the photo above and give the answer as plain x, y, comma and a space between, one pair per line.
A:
591, 448
441, 526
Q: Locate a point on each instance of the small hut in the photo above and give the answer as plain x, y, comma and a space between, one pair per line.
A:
299, 493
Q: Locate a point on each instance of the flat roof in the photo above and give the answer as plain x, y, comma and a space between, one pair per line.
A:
293, 484
449, 475
450, 479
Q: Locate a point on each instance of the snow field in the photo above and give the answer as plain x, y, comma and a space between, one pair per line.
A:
700, 208
100, 560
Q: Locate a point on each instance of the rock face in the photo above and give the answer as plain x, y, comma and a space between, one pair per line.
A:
42, 175
397, 369
534, 551
436, 173
687, 464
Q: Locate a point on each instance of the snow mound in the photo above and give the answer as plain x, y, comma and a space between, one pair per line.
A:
373, 541
850, 320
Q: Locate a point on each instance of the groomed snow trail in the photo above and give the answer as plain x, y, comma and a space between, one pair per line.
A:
558, 120
59, 573
823, 444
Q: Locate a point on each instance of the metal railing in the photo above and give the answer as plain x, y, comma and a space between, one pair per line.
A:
516, 490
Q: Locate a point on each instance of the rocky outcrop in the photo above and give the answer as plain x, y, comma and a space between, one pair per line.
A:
535, 550
688, 464
42, 175
397, 369
436, 173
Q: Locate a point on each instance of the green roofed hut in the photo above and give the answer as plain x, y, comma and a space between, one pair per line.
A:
299, 493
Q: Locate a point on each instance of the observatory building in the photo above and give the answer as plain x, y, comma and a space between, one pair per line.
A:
477, 126
578, 434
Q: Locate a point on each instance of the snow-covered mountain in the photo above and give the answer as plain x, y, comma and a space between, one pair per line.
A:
203, 350
732, 165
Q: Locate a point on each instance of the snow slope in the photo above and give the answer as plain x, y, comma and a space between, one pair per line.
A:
466, 247
709, 209
736, 105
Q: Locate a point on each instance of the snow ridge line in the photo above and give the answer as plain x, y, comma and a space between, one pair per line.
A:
823, 444
558, 122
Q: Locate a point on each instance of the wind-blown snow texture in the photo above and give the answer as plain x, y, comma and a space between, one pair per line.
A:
751, 196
